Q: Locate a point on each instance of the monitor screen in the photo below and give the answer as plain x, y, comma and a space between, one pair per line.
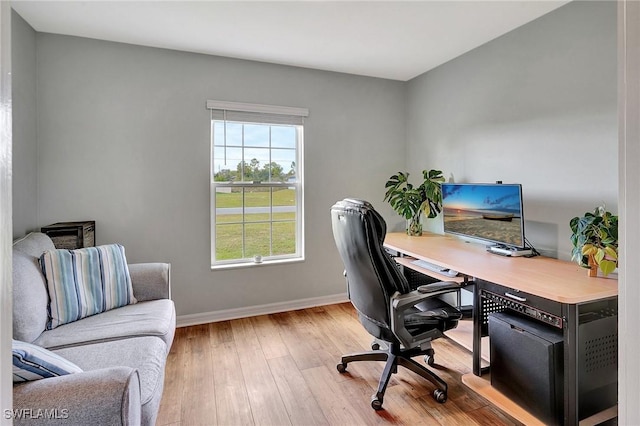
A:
491, 212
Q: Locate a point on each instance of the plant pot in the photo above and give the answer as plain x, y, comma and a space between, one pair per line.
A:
593, 267
414, 226
595, 270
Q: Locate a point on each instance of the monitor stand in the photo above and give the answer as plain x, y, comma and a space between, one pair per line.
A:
509, 251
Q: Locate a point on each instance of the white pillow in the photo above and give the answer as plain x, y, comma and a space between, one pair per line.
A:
32, 362
85, 282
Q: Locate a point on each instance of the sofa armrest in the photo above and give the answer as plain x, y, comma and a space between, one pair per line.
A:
108, 396
151, 281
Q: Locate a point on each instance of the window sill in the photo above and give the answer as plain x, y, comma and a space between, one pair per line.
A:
254, 264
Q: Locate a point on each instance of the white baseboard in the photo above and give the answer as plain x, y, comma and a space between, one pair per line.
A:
251, 311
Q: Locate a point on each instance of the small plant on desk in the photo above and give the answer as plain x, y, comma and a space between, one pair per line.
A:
409, 201
595, 241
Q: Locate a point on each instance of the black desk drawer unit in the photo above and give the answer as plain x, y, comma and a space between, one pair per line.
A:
71, 235
527, 364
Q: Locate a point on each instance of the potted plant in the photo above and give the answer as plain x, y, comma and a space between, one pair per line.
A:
595, 241
409, 201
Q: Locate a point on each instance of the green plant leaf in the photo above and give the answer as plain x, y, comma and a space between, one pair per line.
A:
573, 223
588, 249
611, 253
408, 200
607, 267
598, 255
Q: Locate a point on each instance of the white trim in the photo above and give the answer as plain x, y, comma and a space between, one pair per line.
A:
248, 263
6, 231
299, 254
257, 108
628, 210
252, 311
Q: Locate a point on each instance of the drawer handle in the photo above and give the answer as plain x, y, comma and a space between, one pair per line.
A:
514, 297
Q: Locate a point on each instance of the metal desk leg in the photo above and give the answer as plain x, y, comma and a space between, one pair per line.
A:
570, 314
477, 330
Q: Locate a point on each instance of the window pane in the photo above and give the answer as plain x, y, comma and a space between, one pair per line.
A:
228, 205
228, 241
256, 135
254, 167
284, 238
218, 132
283, 137
226, 163
284, 204
286, 161
233, 134
257, 203
257, 239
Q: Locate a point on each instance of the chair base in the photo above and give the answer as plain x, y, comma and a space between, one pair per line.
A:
394, 356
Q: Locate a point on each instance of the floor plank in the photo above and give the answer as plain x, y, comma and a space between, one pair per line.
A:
266, 403
232, 402
280, 369
198, 393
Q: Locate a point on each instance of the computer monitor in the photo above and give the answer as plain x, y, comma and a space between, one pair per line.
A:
489, 212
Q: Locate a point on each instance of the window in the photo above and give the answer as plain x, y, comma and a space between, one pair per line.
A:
256, 183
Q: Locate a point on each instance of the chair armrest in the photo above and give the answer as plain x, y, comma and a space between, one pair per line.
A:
401, 302
105, 396
151, 281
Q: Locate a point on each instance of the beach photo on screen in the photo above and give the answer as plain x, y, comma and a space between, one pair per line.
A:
486, 211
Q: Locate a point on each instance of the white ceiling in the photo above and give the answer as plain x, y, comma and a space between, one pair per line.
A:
389, 39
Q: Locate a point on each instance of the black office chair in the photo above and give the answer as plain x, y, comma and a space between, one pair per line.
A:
403, 320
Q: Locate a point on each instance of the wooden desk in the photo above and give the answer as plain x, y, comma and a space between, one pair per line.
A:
548, 285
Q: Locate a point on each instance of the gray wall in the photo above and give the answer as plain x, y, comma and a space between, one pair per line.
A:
536, 106
124, 139
25, 143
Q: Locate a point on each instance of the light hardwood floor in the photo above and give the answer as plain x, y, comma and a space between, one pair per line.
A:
280, 369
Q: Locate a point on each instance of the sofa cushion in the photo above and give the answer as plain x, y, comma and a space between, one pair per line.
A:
33, 244
85, 282
145, 354
31, 362
152, 318
30, 299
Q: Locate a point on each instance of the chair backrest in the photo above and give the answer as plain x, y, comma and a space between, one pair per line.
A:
372, 275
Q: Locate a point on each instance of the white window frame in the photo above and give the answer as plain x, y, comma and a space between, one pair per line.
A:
267, 114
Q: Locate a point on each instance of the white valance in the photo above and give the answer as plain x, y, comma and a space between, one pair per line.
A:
256, 113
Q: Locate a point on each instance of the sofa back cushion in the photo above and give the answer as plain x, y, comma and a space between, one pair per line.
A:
34, 244
30, 299
85, 282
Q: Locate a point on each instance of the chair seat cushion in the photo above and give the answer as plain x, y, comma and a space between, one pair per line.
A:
417, 320
431, 313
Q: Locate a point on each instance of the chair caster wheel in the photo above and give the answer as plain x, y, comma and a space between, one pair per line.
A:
376, 402
440, 396
375, 346
342, 367
429, 358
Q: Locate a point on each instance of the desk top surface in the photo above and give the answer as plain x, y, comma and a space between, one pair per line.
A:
553, 279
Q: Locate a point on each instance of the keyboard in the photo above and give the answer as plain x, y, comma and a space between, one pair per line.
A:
435, 268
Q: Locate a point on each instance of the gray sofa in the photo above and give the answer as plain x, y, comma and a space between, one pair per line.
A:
122, 352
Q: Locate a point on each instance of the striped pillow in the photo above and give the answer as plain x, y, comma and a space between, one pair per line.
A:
85, 282
31, 362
